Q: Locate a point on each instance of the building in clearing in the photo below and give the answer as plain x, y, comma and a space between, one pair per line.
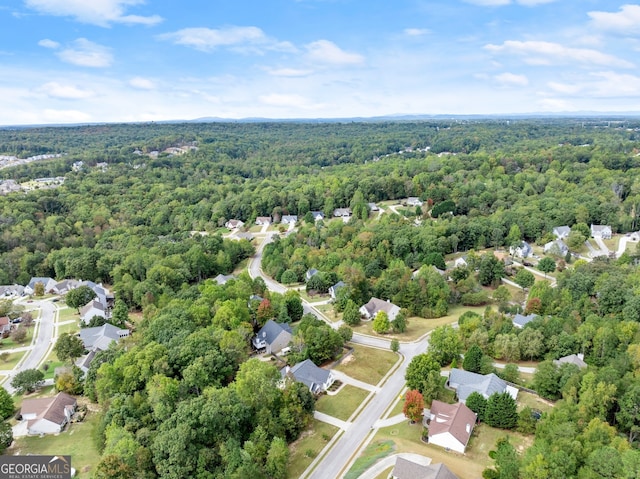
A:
451, 425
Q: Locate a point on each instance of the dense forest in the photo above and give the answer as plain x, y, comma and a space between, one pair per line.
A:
182, 399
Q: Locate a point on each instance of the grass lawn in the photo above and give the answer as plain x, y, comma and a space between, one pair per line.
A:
343, 404
9, 343
385, 474
533, 401
305, 449
12, 361
66, 314
76, 441
418, 327
314, 298
469, 466
330, 313
378, 449
68, 328
53, 364
368, 364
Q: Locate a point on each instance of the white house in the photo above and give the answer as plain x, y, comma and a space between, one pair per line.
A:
371, 309
342, 213
451, 425
48, 415
561, 232
263, 220
601, 231
48, 283
333, 290
557, 247
460, 262
317, 215
577, 359
315, 378
414, 201
234, 224
523, 250
273, 337
289, 219
91, 309
466, 382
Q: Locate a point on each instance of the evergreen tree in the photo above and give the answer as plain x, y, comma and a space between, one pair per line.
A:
473, 359
477, 403
501, 411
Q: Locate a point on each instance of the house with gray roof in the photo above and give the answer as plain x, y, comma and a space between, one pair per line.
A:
601, 231
342, 213
466, 382
557, 247
310, 274
317, 215
523, 250
11, 291
315, 378
66, 285
373, 207
333, 290
223, 279
520, 321
451, 425
414, 201
375, 305
98, 339
91, 309
48, 284
561, 232
289, 219
272, 337
577, 359
263, 220
406, 469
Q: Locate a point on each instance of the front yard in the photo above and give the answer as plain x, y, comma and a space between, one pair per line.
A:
343, 404
369, 365
305, 449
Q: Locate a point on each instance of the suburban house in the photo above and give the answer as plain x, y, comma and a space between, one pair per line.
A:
48, 284
242, 236
373, 207
5, 326
601, 231
375, 305
635, 236
333, 290
11, 291
561, 232
520, 321
66, 285
317, 215
223, 279
289, 219
98, 339
234, 224
414, 201
310, 274
342, 212
451, 425
466, 382
91, 309
318, 380
48, 415
557, 247
523, 250
577, 359
272, 337
102, 294
406, 469
263, 220
460, 262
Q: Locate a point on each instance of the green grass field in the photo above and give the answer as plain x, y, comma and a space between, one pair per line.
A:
343, 404
378, 449
66, 314
305, 449
11, 362
368, 364
76, 441
9, 343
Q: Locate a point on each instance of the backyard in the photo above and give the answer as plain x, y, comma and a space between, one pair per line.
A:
305, 449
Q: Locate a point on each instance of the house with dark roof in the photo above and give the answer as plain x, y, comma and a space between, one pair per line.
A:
263, 220
577, 359
451, 425
561, 232
601, 231
375, 305
333, 290
5, 326
315, 378
48, 415
520, 320
317, 215
98, 339
66, 285
11, 291
406, 469
272, 337
466, 382
310, 274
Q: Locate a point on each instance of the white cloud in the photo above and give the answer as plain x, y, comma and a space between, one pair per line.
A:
533, 3
489, 3
626, 21
555, 104
289, 72
208, 39
416, 32
564, 88
511, 79
95, 12
324, 51
65, 92
606, 84
85, 53
142, 83
548, 53
46, 43
65, 116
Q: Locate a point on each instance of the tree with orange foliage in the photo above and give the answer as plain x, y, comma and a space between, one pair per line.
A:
413, 405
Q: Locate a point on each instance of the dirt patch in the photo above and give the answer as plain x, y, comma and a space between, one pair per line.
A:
348, 359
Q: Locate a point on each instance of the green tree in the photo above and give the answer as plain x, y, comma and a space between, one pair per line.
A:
546, 380
514, 238
501, 411
38, 289
507, 464
78, 297
547, 265
351, 314
526, 421
381, 323
502, 294
473, 359
524, 278
510, 373
289, 276
399, 325
413, 405
629, 415
531, 343
27, 381
418, 371
120, 314
19, 335
345, 332
6, 436
395, 345
277, 459
294, 306
491, 270
6, 404
477, 403
68, 347
445, 344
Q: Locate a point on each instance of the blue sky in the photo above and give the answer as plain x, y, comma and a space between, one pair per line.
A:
66, 61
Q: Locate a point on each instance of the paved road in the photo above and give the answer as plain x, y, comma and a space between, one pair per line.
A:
40, 344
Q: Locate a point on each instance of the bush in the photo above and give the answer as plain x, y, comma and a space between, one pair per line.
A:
475, 299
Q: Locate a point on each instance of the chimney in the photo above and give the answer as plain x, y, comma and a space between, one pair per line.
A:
581, 356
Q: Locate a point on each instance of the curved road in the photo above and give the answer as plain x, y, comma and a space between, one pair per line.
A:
40, 345
335, 462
